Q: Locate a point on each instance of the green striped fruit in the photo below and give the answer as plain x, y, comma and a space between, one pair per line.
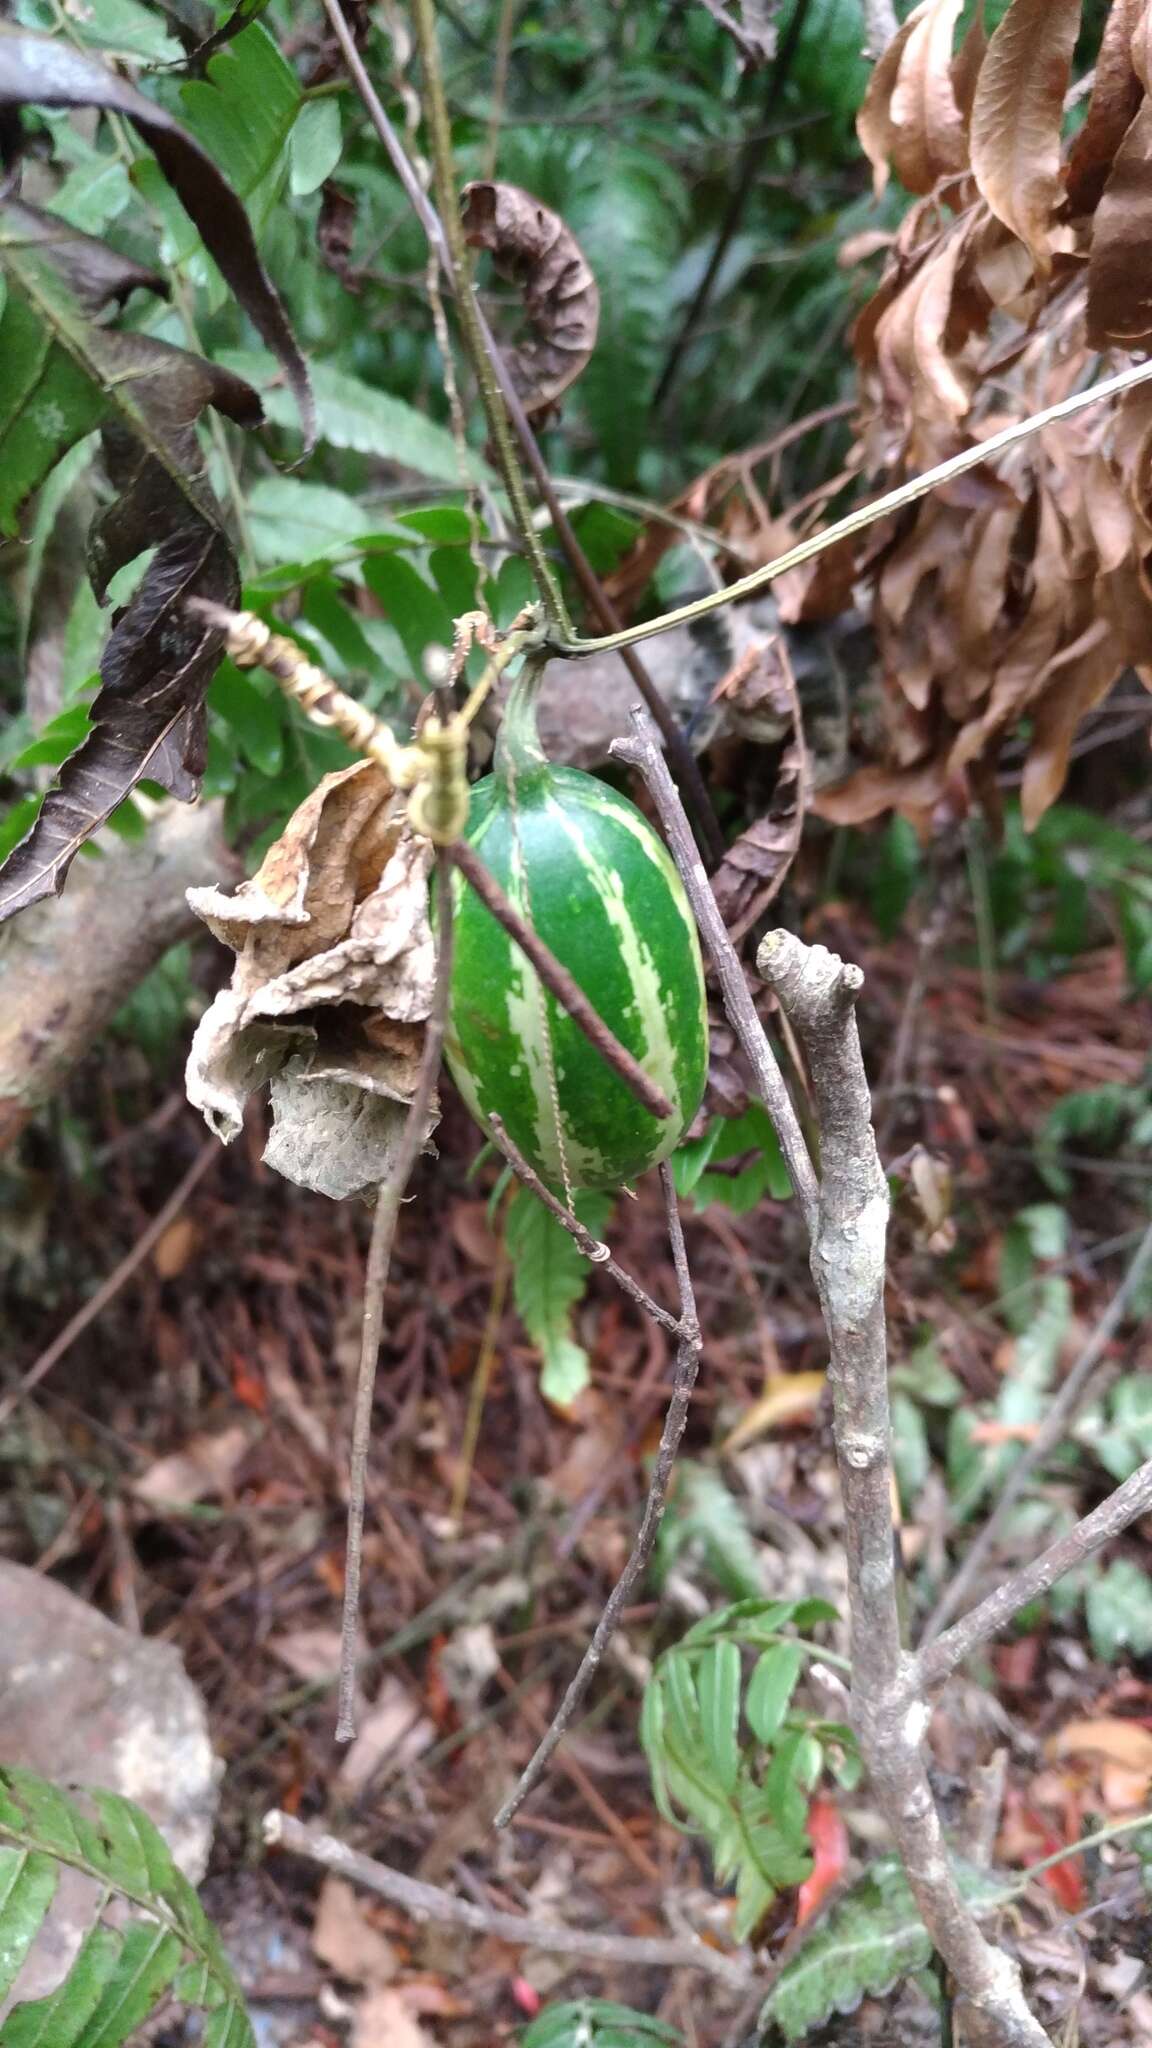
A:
581, 864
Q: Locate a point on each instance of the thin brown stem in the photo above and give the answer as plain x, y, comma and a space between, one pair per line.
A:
559, 982
644, 754
598, 1254
428, 1902
475, 335
1052, 1431
1123, 1507
392, 1191
683, 1380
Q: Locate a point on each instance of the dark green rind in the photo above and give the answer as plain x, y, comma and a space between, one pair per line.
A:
605, 897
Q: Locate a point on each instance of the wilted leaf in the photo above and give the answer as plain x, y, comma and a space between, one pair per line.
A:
1017, 115
46, 71
1116, 94
148, 718
532, 247
344, 1938
1119, 285
1076, 679
333, 982
927, 132
202, 1470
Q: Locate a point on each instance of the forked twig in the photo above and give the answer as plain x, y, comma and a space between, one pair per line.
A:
598, 1254
683, 1380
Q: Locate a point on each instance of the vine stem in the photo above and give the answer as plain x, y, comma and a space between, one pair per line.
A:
858, 520
491, 396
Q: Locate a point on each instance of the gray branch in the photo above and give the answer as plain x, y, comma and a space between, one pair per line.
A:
880, 25
427, 1902
1110, 1519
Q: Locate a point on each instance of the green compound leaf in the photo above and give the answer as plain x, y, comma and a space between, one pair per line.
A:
120, 1975
548, 1277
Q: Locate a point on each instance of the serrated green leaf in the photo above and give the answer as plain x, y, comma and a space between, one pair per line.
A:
548, 1277
770, 1690
292, 521
868, 1941
243, 113
416, 611
353, 414
144, 1969
255, 714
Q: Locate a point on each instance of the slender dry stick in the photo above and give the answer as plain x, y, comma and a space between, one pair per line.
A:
599, 1254
687, 766
1052, 1431
683, 1380
557, 979
392, 1191
1123, 1507
818, 991
491, 397
862, 517
428, 1902
504, 29
643, 753
481, 1379
98, 1302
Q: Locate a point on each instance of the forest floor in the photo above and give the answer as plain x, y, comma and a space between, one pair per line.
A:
183, 1467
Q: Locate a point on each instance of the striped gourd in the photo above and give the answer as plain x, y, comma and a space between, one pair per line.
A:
586, 869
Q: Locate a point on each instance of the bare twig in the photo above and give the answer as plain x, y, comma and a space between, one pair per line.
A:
754, 34
683, 1381
1052, 1431
429, 1902
643, 753
1111, 1518
384, 1222
818, 992
687, 766
599, 1254
557, 979
98, 1302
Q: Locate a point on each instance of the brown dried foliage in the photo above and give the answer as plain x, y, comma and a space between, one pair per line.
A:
532, 248
1022, 592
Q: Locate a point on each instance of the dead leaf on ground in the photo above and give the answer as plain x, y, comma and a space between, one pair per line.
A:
385, 2020
204, 1469
1127, 1743
788, 1397
531, 246
394, 1731
344, 1938
313, 1654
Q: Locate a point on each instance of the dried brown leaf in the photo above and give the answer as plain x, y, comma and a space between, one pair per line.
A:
344, 1938
967, 62
204, 1469
1115, 97
874, 123
1017, 115
332, 984
531, 246
910, 341
384, 2020
928, 141
1120, 259
1076, 680
755, 866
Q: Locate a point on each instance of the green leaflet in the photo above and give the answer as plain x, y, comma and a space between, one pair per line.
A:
549, 1275
597, 2023
120, 1975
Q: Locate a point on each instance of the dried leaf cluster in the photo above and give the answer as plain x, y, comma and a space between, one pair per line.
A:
532, 248
1019, 595
335, 963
